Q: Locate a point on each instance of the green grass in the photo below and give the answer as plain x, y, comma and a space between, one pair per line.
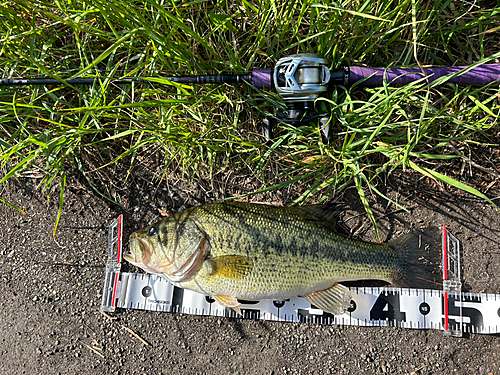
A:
206, 129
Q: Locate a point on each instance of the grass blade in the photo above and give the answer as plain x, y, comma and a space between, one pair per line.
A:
61, 202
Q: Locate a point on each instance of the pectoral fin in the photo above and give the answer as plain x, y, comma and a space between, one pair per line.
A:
334, 300
228, 301
230, 266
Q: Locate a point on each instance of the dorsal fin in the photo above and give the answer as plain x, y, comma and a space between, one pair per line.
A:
323, 213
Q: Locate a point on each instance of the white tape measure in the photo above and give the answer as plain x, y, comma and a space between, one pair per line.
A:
448, 309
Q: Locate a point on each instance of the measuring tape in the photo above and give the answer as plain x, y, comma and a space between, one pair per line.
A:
449, 309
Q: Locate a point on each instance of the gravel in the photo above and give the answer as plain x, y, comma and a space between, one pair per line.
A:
51, 290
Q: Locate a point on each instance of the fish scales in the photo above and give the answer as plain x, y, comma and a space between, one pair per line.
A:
260, 252
292, 253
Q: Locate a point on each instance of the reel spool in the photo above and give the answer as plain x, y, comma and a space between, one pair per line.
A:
301, 79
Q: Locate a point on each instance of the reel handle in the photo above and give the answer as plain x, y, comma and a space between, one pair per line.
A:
267, 128
326, 129
324, 122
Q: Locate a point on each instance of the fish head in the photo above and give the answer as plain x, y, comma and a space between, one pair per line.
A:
173, 249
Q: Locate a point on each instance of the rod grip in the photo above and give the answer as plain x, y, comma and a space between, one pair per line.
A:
480, 75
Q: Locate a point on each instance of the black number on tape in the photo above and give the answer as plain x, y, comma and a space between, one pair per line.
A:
177, 299
352, 306
387, 307
476, 323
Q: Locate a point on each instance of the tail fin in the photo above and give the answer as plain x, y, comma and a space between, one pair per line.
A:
421, 264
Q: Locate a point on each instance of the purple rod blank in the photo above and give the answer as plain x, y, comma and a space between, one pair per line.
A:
480, 75
262, 78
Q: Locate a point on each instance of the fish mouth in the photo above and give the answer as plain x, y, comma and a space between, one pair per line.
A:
140, 255
139, 250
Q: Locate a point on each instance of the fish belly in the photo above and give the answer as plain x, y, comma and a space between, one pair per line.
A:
291, 255
284, 276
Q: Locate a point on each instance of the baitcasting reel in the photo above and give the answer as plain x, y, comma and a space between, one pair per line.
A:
300, 80
303, 78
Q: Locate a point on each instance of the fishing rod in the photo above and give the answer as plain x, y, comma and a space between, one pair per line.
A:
301, 79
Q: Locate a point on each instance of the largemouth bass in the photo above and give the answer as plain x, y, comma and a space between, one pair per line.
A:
255, 252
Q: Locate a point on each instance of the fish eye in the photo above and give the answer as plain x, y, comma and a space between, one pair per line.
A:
153, 231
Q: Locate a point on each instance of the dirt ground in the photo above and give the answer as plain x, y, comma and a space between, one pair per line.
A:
51, 293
